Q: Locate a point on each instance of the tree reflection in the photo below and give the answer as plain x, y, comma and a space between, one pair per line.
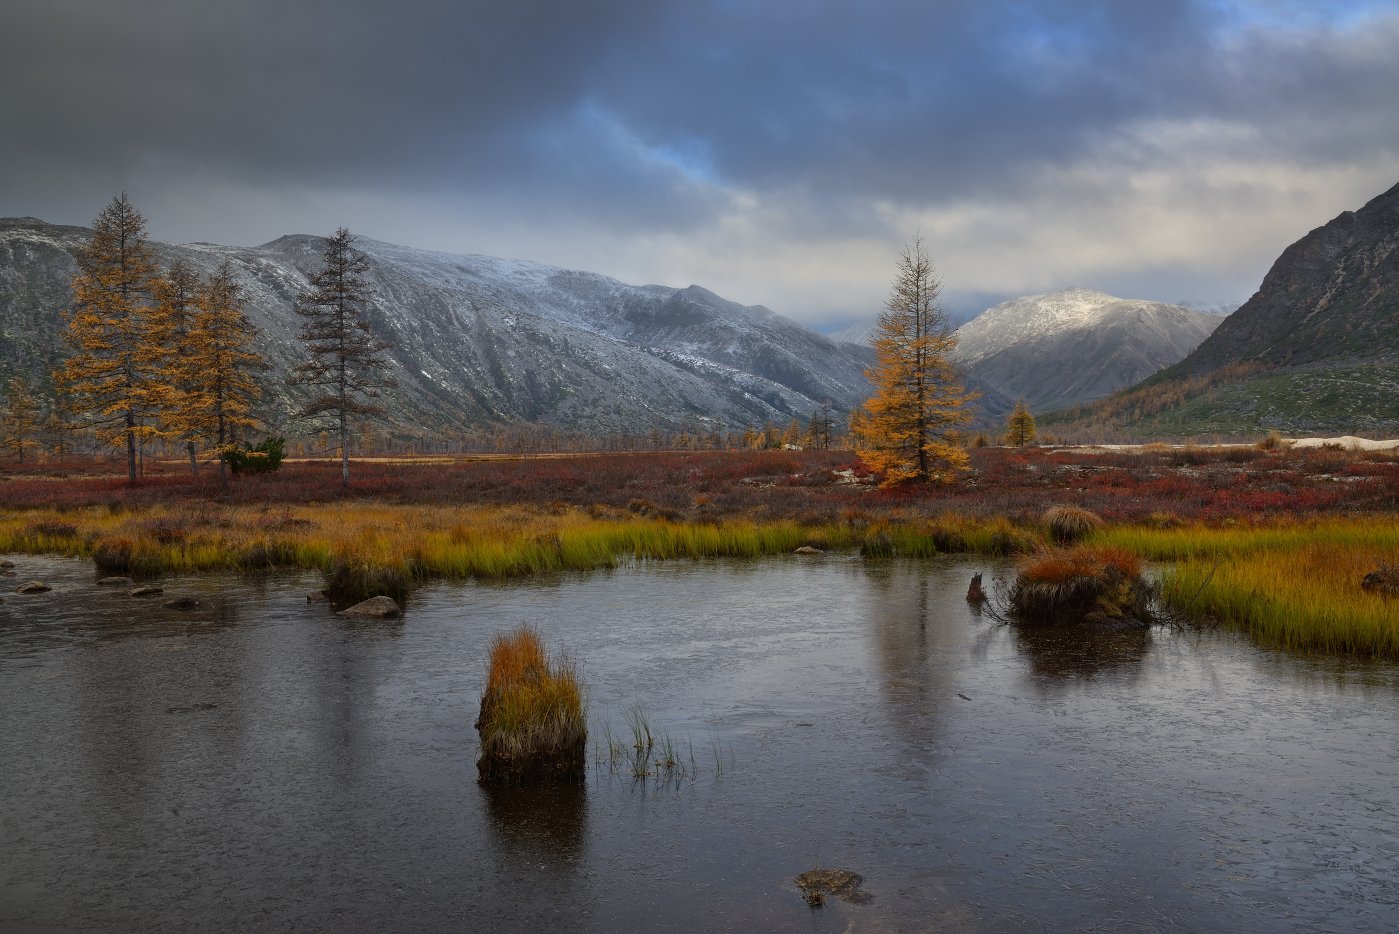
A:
1082, 653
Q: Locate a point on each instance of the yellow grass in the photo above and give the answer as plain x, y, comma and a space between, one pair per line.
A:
1295, 585
532, 720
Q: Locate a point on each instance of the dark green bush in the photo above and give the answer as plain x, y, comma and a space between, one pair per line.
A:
262, 458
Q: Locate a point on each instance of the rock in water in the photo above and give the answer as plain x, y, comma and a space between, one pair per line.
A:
1384, 581
148, 591
7, 565
115, 582
808, 550
33, 587
181, 603
842, 883
374, 608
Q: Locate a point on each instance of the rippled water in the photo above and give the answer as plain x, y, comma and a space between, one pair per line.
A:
262, 764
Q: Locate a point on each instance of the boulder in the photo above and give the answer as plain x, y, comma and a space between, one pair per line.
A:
149, 590
374, 608
317, 596
808, 550
6, 565
115, 582
33, 587
181, 603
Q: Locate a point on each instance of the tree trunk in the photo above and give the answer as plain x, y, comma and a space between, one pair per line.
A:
344, 453
193, 459
130, 447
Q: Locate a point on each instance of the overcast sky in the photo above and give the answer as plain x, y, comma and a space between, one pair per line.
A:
778, 152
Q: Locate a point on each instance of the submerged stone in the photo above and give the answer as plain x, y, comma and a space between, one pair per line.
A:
374, 608
115, 582
843, 884
149, 590
181, 603
33, 587
808, 550
7, 565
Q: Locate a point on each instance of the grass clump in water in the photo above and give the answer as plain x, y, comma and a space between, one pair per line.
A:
532, 723
1082, 585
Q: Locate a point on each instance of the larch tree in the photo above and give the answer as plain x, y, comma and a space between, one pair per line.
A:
172, 320
110, 374
346, 370
222, 379
908, 429
1020, 427
818, 430
19, 420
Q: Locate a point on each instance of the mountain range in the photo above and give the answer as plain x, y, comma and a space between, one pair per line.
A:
1314, 350
478, 341
1064, 348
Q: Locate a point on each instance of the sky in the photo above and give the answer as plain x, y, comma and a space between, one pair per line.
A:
777, 152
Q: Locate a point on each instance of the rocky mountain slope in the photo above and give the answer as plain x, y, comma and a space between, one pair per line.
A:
1068, 347
1314, 349
477, 340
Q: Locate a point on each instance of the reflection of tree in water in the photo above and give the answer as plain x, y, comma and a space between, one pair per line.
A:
537, 824
1081, 653
913, 623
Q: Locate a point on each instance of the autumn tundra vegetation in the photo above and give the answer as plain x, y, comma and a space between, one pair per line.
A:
1271, 539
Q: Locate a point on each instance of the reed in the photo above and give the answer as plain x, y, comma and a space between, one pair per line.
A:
532, 723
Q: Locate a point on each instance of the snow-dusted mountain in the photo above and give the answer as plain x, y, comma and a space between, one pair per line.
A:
1064, 348
477, 340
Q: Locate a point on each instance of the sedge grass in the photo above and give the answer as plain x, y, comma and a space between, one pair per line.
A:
532, 722
1294, 585
404, 544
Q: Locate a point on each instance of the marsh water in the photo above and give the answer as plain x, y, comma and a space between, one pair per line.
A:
262, 764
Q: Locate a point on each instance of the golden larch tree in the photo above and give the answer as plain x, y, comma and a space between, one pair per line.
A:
1020, 427
172, 320
111, 375
908, 429
19, 420
222, 380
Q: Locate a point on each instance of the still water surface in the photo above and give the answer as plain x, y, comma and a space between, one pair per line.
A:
261, 764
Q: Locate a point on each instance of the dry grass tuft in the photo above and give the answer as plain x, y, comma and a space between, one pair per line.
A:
1069, 524
1093, 585
532, 722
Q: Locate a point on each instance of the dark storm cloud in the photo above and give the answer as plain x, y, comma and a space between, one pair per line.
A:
658, 117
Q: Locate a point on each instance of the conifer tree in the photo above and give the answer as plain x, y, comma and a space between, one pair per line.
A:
346, 370
171, 322
907, 430
818, 431
110, 374
19, 420
221, 379
1020, 427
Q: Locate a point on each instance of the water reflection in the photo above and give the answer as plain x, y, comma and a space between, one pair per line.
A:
538, 824
1081, 653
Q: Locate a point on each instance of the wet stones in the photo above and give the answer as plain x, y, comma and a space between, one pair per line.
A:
374, 608
33, 587
115, 582
843, 884
1384, 581
181, 603
808, 550
149, 590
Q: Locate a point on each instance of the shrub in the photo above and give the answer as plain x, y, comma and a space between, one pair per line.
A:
351, 579
262, 458
532, 722
1069, 524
